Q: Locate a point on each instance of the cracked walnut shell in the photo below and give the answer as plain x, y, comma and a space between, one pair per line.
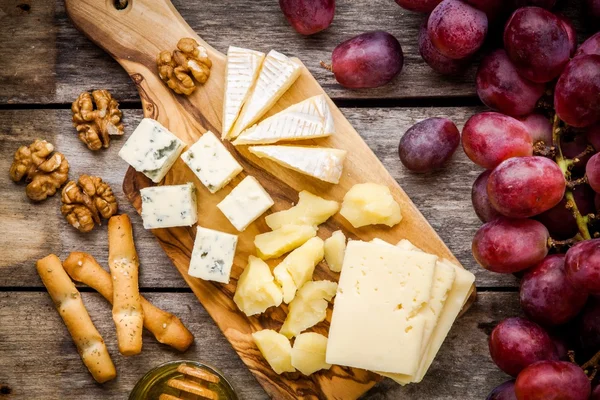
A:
177, 69
96, 125
44, 169
86, 200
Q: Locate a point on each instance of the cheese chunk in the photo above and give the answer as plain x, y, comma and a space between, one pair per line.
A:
310, 210
335, 247
308, 308
276, 349
280, 241
256, 290
308, 353
370, 204
277, 74
151, 149
406, 244
377, 323
297, 268
169, 206
246, 202
241, 72
309, 119
322, 163
211, 162
212, 256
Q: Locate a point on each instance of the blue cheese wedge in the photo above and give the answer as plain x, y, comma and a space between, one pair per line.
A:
169, 206
241, 72
212, 163
213, 255
246, 202
322, 163
152, 149
309, 119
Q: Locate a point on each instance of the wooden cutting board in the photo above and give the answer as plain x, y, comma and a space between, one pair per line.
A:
134, 36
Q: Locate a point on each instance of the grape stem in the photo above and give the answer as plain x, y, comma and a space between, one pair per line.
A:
593, 362
328, 67
564, 165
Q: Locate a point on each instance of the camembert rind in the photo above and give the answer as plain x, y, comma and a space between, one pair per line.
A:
212, 256
309, 119
243, 66
211, 162
246, 202
152, 149
169, 206
322, 163
277, 74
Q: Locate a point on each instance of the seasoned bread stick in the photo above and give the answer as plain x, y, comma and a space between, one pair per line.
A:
69, 305
165, 327
127, 305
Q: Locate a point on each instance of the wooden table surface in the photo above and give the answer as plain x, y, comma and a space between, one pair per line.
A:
45, 63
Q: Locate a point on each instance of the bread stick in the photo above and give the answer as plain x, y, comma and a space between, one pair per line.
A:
127, 306
69, 305
165, 327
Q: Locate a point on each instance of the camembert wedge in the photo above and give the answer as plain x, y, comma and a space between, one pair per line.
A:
309, 119
277, 74
243, 66
322, 163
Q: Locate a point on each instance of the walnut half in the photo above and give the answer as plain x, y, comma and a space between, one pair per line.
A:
96, 125
44, 169
86, 200
177, 69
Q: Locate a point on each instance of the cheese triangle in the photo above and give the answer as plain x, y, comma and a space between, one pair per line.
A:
322, 163
309, 119
277, 74
242, 69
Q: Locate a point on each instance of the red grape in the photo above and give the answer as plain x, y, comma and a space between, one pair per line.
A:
308, 16
592, 135
583, 265
537, 43
596, 391
368, 60
590, 46
571, 33
588, 327
491, 8
539, 127
505, 391
490, 138
522, 187
424, 6
428, 144
593, 11
547, 296
562, 351
516, 343
553, 380
436, 60
510, 245
572, 149
576, 99
479, 197
547, 4
456, 29
500, 86
592, 170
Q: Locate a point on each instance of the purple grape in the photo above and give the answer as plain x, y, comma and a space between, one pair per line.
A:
592, 135
492, 8
583, 265
593, 12
510, 245
500, 86
428, 144
479, 197
576, 99
572, 149
588, 327
537, 44
595, 393
590, 46
516, 343
571, 33
547, 4
456, 29
368, 60
308, 16
562, 350
553, 380
436, 60
539, 128
424, 6
592, 170
505, 391
547, 296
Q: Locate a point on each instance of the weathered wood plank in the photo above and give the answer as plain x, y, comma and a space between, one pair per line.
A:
443, 197
39, 359
47, 60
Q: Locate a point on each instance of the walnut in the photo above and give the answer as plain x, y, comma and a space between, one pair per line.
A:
95, 126
177, 69
86, 200
44, 169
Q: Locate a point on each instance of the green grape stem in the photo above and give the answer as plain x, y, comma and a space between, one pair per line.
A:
565, 164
